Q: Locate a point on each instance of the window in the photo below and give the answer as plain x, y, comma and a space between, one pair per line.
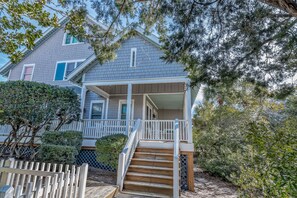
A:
69, 39
96, 111
27, 72
122, 114
133, 57
65, 68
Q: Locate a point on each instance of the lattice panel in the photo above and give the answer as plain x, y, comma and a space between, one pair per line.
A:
184, 172
89, 156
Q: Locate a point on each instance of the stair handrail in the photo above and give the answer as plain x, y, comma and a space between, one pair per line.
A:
127, 153
176, 160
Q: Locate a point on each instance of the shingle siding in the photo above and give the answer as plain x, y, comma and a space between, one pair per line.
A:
148, 64
46, 56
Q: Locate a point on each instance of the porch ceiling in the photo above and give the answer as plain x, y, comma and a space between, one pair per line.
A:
144, 88
168, 101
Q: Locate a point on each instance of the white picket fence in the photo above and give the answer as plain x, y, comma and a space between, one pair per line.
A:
34, 179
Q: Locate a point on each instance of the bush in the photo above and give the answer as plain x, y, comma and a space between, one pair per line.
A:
58, 153
108, 149
60, 147
67, 138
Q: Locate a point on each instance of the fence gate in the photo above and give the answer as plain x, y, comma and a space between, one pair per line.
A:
35, 179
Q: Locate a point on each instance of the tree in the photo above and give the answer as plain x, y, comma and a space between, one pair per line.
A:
29, 107
219, 41
249, 138
22, 22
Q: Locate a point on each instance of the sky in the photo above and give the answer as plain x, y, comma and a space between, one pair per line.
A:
3, 60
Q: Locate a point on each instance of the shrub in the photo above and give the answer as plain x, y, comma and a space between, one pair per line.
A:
108, 149
67, 138
58, 153
60, 147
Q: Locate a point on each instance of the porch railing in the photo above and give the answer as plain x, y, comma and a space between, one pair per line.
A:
99, 128
127, 153
164, 130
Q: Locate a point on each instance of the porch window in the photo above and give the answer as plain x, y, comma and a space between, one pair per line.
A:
27, 73
70, 40
122, 114
96, 111
133, 57
64, 68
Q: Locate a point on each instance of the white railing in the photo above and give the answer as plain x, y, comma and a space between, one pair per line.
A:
164, 130
127, 153
99, 128
176, 160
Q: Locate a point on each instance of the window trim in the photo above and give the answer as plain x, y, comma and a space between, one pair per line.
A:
64, 40
91, 105
65, 69
120, 105
133, 49
23, 71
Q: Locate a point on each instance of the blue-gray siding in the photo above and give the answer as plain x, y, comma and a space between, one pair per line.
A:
148, 64
46, 57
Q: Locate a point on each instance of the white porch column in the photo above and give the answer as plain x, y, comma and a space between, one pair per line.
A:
82, 101
106, 108
128, 113
189, 112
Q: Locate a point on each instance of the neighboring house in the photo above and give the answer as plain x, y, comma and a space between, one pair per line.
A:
137, 85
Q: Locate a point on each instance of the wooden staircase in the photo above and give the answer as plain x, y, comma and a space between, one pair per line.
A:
150, 173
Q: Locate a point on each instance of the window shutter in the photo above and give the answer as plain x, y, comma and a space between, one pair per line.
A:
60, 71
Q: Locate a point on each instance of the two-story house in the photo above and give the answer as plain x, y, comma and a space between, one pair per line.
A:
137, 94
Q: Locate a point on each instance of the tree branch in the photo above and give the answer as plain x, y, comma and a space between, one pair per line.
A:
289, 6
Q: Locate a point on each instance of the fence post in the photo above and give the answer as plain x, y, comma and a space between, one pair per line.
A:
6, 177
121, 169
83, 180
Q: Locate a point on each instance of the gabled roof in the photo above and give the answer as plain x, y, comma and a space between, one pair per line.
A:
77, 73
46, 35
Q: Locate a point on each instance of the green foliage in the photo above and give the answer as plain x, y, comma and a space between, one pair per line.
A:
60, 147
30, 106
58, 153
21, 22
67, 138
249, 139
108, 149
270, 160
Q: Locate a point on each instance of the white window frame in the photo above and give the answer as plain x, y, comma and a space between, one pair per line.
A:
95, 102
64, 40
134, 49
23, 71
120, 109
67, 61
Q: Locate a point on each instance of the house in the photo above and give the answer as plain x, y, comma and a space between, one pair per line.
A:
137, 94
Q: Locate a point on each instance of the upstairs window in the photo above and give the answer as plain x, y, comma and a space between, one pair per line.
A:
69, 39
27, 73
65, 67
133, 57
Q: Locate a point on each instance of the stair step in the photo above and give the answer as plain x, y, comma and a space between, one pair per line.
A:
149, 187
152, 162
145, 194
151, 170
146, 184
152, 167
149, 175
154, 150
160, 156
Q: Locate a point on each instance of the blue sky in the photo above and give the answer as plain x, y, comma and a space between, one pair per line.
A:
3, 60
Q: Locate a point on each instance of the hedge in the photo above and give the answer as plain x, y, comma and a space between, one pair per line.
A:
108, 149
58, 153
67, 138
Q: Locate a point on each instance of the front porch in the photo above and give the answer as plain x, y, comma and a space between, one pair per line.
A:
112, 107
